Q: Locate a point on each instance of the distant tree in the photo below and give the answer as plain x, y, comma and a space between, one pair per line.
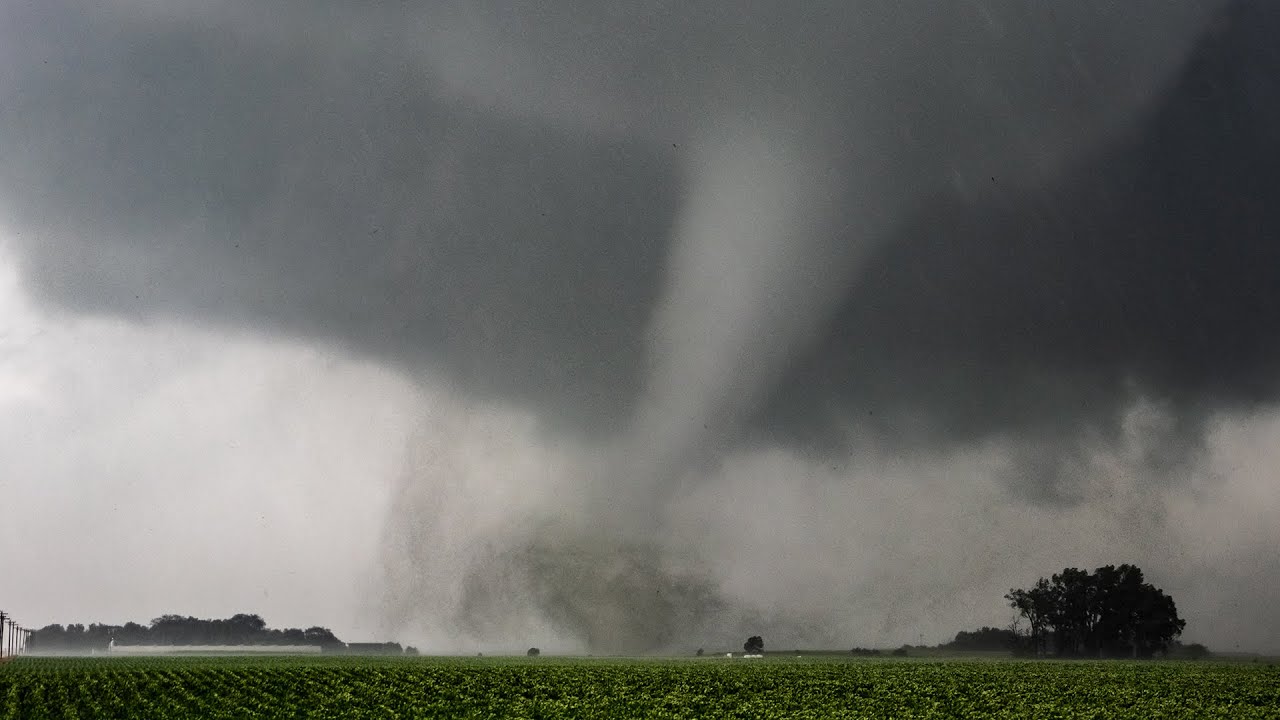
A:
1194, 651
699, 653
171, 630
131, 634
986, 638
754, 645
320, 636
533, 652
247, 624
50, 638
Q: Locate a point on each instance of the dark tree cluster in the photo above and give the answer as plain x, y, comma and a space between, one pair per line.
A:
1111, 612
241, 629
986, 638
754, 645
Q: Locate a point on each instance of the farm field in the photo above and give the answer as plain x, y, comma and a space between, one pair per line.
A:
818, 687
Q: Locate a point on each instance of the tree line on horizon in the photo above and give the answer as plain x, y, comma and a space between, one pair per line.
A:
1111, 612
239, 629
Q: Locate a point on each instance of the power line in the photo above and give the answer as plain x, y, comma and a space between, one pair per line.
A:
13, 637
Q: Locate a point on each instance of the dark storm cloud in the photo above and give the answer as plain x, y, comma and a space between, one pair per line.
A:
1152, 270
178, 170
162, 167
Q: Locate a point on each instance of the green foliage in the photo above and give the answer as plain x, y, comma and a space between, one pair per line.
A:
366, 687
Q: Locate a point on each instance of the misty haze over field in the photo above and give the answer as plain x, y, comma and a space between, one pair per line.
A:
637, 326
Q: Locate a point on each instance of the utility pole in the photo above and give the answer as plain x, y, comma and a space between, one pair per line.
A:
3, 619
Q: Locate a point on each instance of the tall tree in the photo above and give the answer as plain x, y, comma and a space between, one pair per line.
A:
1110, 612
1037, 606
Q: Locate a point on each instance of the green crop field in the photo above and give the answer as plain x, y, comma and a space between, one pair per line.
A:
819, 687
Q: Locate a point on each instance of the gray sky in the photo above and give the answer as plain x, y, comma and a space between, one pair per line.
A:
471, 325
